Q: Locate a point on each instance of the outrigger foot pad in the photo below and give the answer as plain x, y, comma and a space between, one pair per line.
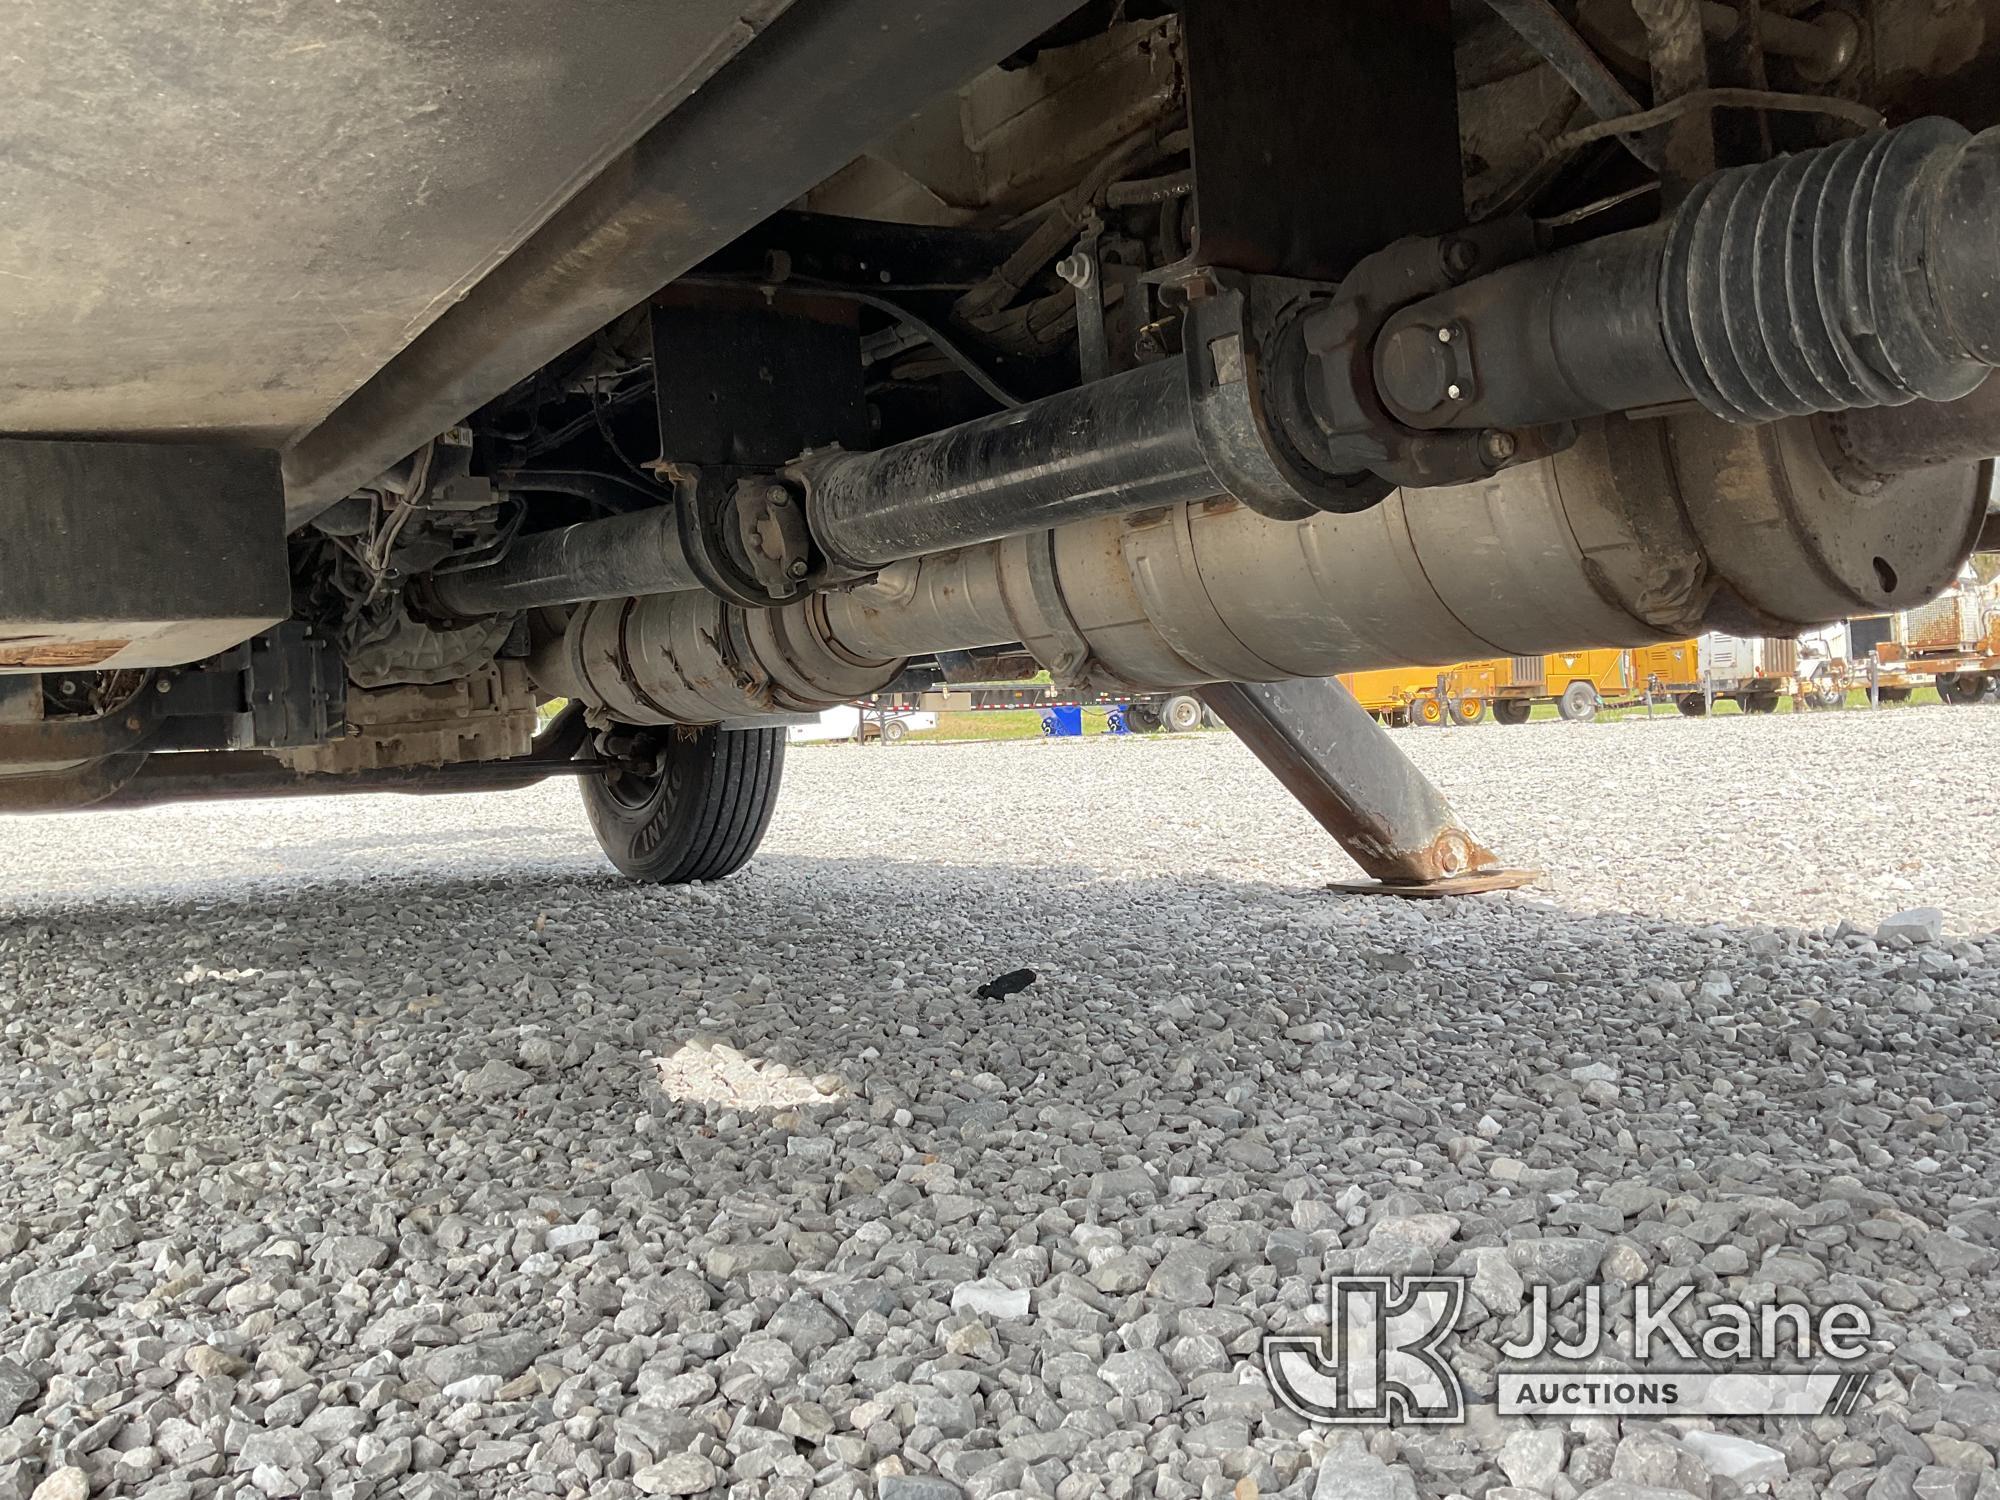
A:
1328, 751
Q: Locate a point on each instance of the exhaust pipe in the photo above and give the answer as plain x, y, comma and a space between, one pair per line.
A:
1641, 532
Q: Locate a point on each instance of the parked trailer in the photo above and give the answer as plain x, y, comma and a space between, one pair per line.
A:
1578, 683
1826, 666
1753, 672
1427, 696
1176, 713
1856, 661
850, 721
1846, 657
1951, 643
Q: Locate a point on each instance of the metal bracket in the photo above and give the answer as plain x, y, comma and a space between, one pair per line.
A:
771, 525
284, 688
1084, 271
1350, 775
1287, 95
1061, 646
131, 726
706, 511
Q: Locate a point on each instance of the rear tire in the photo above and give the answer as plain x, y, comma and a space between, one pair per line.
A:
1512, 710
700, 815
1963, 687
895, 732
1758, 703
1693, 705
1181, 713
1468, 710
1579, 703
1141, 718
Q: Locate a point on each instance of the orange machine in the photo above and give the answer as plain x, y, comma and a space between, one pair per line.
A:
1952, 643
1411, 695
1579, 683
1661, 667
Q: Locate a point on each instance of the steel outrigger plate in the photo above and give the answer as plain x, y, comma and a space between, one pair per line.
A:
1345, 770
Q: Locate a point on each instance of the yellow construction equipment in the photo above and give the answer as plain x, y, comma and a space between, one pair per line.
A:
1754, 673
1577, 682
1424, 696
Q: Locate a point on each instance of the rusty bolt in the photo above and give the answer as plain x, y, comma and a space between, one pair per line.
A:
800, 568
1497, 445
777, 494
163, 686
1451, 852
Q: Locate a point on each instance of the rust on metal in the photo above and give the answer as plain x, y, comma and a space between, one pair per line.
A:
1475, 883
129, 727
54, 655
1346, 770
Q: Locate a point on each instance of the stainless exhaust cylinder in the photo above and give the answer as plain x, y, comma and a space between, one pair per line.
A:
690, 658
1641, 532
1212, 591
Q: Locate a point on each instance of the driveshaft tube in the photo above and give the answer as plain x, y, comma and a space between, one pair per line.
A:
1858, 275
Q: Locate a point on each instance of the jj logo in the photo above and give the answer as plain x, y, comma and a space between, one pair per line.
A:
1380, 1360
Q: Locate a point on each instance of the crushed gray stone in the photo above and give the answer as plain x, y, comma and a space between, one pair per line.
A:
376, 1147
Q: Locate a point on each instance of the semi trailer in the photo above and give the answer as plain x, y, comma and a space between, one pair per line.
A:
376, 374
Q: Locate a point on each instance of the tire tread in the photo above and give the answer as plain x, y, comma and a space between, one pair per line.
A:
724, 811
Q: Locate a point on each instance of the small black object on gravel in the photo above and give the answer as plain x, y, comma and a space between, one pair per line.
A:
1007, 984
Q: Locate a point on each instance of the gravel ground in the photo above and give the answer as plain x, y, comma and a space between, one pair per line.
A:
392, 1147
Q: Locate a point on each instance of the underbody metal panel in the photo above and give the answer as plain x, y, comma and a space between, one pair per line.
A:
121, 555
226, 215
823, 83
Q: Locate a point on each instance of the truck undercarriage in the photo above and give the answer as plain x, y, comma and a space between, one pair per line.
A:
381, 377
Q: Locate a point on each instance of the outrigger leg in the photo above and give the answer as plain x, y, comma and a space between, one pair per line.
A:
1351, 776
